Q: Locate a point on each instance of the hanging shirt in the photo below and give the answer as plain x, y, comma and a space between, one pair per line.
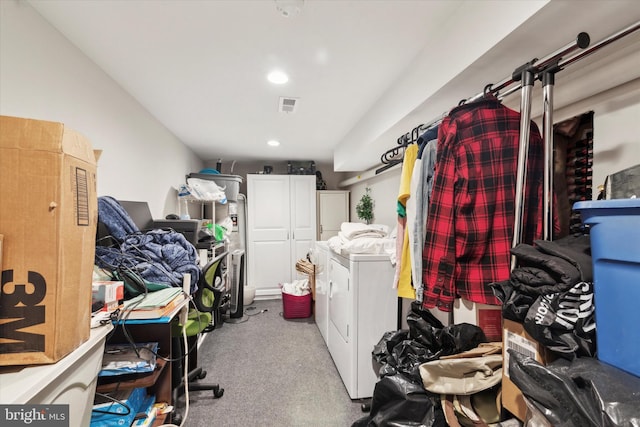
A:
403, 263
472, 208
415, 258
424, 184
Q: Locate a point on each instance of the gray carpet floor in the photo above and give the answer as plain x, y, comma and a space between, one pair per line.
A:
274, 371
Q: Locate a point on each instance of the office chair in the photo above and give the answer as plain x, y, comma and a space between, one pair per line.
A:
207, 301
212, 290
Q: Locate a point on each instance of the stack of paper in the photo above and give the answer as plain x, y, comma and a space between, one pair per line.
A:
153, 305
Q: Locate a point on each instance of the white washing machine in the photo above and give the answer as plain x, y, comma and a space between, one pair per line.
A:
362, 306
321, 309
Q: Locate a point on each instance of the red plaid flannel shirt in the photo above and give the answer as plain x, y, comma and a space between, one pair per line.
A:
472, 208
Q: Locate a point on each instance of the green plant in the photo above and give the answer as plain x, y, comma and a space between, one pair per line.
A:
364, 208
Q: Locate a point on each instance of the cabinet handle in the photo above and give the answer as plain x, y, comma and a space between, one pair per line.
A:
330, 289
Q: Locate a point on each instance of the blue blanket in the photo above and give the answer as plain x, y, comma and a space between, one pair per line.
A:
158, 256
115, 218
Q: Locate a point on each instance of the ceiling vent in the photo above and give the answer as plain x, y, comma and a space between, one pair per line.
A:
287, 105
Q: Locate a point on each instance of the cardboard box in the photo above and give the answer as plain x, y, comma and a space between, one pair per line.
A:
107, 295
487, 317
48, 216
516, 338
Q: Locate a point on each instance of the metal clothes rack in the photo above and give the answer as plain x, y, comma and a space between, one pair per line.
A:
395, 155
523, 79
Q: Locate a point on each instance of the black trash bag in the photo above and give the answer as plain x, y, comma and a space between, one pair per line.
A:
407, 357
614, 393
564, 322
427, 330
423, 325
454, 339
429, 340
399, 402
582, 392
383, 361
556, 396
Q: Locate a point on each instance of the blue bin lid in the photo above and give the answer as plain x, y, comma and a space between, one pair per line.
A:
607, 204
597, 211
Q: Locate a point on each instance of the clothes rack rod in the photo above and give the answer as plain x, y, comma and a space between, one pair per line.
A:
562, 61
582, 41
602, 43
388, 166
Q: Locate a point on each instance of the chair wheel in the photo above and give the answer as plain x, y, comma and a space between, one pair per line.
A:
218, 392
201, 375
177, 419
366, 407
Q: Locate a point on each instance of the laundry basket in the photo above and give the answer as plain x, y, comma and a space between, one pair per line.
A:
296, 307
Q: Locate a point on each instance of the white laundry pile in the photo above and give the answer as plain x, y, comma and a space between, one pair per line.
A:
297, 287
360, 238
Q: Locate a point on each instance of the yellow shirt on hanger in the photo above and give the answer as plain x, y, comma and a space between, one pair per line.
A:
403, 266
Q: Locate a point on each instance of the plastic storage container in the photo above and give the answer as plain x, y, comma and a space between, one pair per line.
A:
615, 251
230, 183
70, 381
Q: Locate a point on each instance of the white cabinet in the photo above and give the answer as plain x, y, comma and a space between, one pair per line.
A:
362, 306
281, 228
333, 210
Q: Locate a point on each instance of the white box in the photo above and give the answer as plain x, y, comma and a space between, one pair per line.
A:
108, 293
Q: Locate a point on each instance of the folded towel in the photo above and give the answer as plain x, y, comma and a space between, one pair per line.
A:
353, 230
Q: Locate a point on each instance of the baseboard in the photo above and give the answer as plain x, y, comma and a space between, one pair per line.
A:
263, 294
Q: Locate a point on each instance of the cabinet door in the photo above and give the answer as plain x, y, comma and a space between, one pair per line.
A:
333, 210
303, 217
269, 234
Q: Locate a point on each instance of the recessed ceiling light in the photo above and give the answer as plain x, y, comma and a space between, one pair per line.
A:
278, 77
273, 143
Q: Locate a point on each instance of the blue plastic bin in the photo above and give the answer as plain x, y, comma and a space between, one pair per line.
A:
615, 251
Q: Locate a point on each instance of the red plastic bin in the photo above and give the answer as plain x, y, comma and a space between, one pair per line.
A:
296, 307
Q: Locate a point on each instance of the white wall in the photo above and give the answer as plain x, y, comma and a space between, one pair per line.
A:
43, 76
384, 193
622, 147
